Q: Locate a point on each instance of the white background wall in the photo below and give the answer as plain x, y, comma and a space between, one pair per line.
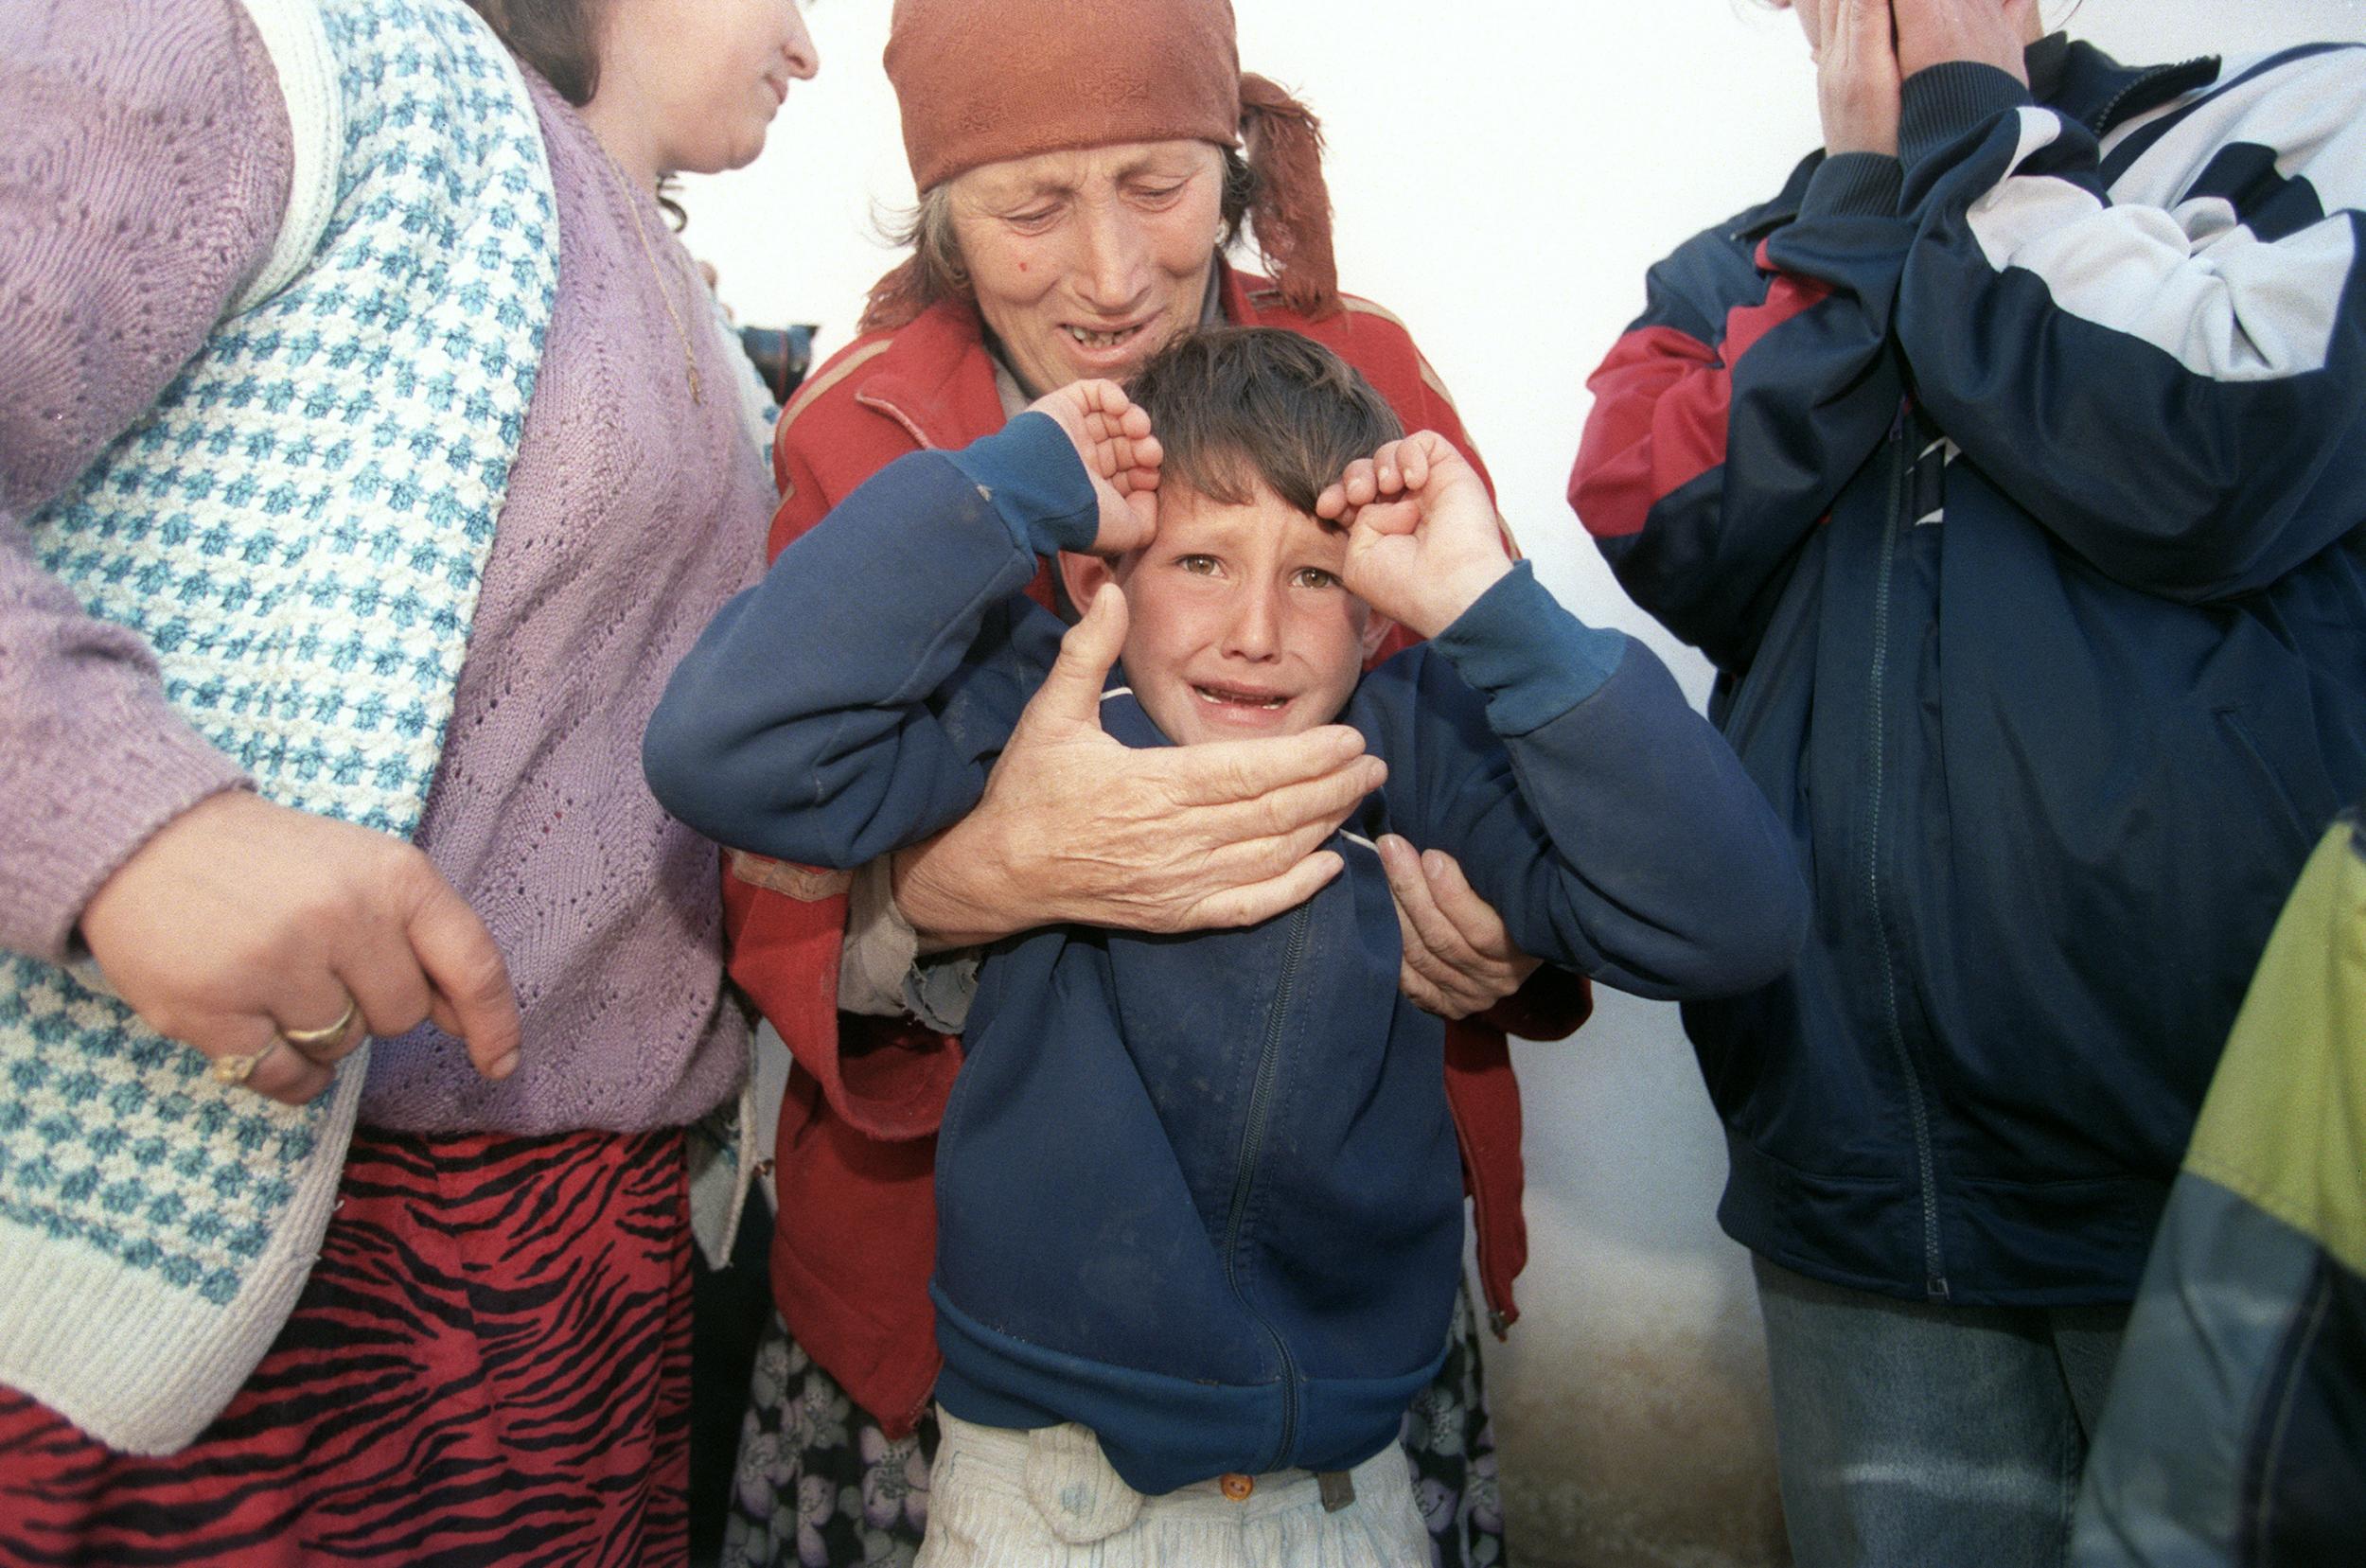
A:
1503, 173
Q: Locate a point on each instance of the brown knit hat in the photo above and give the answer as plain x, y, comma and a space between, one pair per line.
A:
979, 81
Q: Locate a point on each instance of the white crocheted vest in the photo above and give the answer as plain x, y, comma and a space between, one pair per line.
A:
298, 527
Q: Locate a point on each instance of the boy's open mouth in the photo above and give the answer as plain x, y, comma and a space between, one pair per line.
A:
1233, 696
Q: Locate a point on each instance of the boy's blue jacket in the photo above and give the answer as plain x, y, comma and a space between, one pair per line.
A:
1201, 1193
2015, 487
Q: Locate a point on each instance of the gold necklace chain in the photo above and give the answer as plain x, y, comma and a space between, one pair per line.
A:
640, 231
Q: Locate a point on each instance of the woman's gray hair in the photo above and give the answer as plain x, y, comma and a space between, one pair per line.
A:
926, 231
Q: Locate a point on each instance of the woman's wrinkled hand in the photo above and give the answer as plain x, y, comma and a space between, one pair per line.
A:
240, 919
1075, 826
1458, 957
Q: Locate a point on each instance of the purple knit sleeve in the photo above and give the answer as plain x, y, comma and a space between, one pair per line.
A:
143, 169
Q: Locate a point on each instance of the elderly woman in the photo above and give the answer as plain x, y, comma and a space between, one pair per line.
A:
1082, 175
367, 458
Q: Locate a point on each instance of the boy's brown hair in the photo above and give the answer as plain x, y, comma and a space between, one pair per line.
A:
1236, 405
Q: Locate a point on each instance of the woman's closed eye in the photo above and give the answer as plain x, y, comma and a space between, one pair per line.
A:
1035, 219
1157, 194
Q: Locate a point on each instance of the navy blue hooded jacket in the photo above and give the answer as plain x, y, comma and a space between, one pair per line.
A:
1201, 1193
2015, 488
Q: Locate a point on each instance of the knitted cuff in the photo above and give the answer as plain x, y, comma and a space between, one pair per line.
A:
879, 947
1940, 104
1531, 659
1854, 184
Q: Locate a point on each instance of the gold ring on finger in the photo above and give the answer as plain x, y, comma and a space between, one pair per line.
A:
238, 1069
328, 1034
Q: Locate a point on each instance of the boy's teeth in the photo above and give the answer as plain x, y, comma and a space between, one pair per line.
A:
1237, 699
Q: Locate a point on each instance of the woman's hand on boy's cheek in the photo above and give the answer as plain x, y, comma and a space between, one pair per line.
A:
1076, 826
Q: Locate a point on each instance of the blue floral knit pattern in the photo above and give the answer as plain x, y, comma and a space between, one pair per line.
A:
299, 527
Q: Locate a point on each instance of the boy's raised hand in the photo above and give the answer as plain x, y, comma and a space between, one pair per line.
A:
1422, 542
1120, 456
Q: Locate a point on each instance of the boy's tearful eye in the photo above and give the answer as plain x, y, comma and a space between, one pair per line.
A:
1245, 626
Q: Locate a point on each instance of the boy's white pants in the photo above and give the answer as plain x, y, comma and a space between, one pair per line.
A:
998, 1498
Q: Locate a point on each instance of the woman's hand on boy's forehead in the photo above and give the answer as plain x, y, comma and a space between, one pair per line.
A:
1423, 540
1120, 456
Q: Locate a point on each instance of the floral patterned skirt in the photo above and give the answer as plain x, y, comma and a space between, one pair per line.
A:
820, 1486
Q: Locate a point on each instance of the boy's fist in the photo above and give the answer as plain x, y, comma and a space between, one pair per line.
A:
1120, 457
1422, 542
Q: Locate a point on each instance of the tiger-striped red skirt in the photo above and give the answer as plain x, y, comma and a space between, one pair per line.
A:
489, 1364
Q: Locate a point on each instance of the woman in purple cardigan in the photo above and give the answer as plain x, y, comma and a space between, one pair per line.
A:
551, 483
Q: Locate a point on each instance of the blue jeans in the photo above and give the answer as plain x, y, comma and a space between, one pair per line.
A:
1926, 1436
